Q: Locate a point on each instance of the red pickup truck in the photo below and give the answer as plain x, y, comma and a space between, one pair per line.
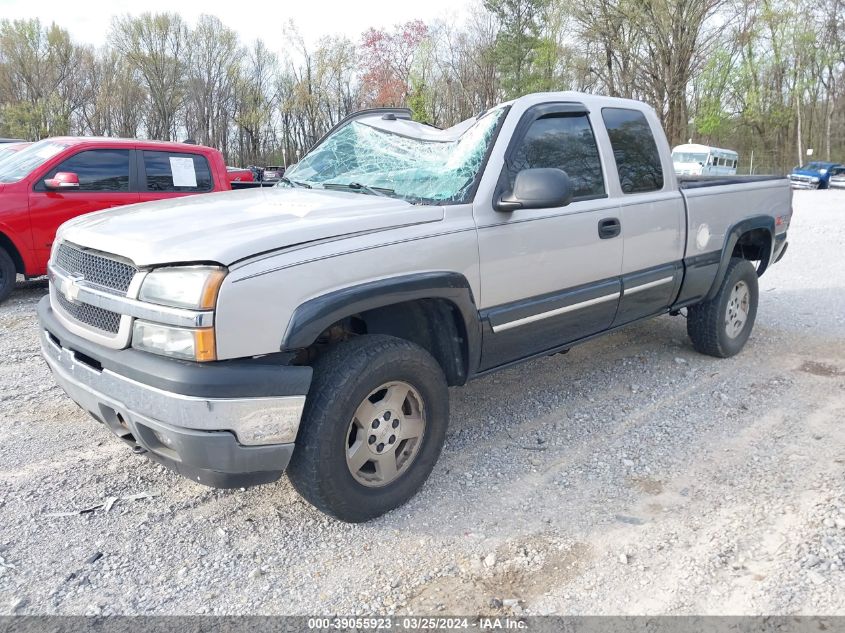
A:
60, 178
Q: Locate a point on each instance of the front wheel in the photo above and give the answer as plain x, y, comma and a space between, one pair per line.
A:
8, 275
720, 327
373, 427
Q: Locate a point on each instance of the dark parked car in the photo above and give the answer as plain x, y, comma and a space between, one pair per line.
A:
273, 173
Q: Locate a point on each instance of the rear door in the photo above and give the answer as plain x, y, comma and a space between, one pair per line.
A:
549, 276
104, 182
172, 174
652, 211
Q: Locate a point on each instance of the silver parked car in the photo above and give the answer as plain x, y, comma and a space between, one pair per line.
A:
316, 326
837, 178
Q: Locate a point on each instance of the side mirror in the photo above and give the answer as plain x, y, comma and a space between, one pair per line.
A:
63, 180
539, 188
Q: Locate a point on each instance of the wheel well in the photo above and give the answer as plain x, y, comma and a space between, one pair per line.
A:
9, 247
756, 246
435, 325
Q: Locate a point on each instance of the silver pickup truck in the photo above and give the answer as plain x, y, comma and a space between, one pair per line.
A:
315, 326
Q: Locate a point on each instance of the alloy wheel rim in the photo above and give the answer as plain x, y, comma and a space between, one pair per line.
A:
385, 434
736, 315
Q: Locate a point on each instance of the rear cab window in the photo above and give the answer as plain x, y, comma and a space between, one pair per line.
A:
176, 171
634, 149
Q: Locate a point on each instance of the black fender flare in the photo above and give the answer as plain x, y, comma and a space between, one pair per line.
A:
311, 318
736, 231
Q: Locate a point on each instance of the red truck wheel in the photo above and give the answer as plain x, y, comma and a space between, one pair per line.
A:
8, 274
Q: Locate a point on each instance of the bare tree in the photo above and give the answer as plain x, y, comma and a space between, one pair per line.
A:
156, 46
760, 76
213, 74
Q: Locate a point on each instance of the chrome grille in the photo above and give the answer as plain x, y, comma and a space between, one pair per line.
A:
91, 315
110, 274
96, 269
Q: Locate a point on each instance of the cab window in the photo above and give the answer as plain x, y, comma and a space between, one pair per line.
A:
175, 171
635, 151
98, 170
565, 142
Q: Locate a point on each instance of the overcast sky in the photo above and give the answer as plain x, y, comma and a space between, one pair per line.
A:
88, 20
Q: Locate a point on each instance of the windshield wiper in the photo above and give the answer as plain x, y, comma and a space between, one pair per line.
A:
294, 183
357, 186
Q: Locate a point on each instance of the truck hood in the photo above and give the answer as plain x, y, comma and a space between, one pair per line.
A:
807, 172
229, 226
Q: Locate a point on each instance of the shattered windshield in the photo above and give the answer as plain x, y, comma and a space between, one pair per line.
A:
368, 159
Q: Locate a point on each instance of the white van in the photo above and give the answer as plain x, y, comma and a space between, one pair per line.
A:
701, 160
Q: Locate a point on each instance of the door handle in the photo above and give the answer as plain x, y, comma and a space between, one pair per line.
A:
609, 227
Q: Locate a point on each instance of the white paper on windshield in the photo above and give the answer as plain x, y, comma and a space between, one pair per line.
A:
182, 169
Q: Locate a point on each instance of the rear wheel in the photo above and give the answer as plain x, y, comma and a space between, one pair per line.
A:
8, 275
373, 427
720, 327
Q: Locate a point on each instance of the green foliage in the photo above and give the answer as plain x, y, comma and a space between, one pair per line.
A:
518, 43
711, 118
39, 79
420, 103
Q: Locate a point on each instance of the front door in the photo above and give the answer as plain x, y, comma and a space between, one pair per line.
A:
549, 276
103, 182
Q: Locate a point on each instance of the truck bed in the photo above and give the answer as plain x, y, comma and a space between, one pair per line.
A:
715, 204
695, 182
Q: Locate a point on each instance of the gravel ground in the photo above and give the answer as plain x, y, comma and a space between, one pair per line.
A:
630, 476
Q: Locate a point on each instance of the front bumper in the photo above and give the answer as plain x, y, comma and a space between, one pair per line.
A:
226, 424
803, 184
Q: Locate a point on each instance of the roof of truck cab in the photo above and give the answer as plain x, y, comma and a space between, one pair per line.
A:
591, 101
405, 126
140, 143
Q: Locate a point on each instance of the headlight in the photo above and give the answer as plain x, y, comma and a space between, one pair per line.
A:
183, 286
814, 179
184, 343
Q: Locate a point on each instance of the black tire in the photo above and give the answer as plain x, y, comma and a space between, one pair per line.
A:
706, 324
8, 275
343, 377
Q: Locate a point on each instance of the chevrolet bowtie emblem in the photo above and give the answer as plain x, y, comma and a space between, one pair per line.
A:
70, 287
